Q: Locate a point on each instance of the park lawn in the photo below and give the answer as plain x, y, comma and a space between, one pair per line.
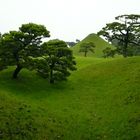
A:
100, 101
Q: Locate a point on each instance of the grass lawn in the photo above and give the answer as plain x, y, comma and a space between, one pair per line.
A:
100, 101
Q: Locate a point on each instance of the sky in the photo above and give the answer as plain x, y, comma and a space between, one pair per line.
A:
67, 20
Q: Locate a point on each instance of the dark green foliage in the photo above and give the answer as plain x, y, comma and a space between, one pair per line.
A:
108, 52
86, 47
124, 33
18, 47
57, 61
71, 44
24, 49
77, 40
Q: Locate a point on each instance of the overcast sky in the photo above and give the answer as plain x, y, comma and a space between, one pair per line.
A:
65, 19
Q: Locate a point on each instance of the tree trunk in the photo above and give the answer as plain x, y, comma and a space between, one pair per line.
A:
125, 52
85, 53
51, 77
126, 43
16, 72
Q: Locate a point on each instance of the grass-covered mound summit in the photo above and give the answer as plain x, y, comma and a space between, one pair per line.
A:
100, 44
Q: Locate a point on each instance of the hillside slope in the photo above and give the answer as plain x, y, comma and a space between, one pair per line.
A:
100, 101
99, 43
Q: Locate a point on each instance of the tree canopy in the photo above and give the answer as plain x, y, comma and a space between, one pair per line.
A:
17, 47
125, 32
86, 47
24, 48
108, 52
57, 61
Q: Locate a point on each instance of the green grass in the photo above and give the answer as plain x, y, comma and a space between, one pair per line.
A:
100, 101
99, 43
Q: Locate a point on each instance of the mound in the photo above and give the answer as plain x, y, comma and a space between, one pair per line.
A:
99, 43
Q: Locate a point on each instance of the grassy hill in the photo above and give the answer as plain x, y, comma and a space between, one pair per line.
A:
100, 101
99, 43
